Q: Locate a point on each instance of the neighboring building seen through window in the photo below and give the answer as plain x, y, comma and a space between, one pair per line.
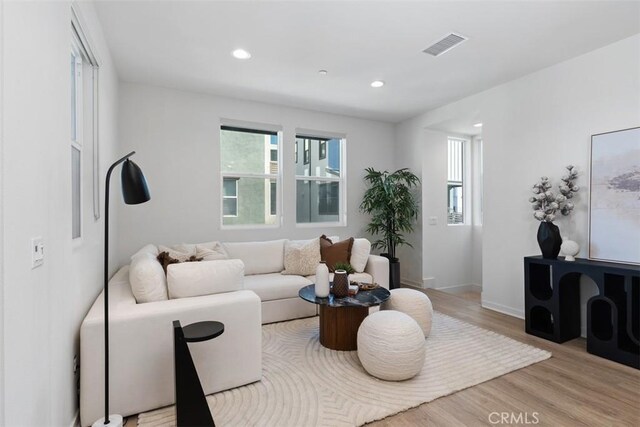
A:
250, 169
455, 181
320, 180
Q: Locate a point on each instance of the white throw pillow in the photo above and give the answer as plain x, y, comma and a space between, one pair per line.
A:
258, 257
360, 254
211, 251
301, 257
147, 279
180, 252
192, 279
148, 249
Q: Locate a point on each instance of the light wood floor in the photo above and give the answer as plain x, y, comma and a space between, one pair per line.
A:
573, 388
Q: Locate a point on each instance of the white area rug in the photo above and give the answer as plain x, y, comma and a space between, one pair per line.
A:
305, 384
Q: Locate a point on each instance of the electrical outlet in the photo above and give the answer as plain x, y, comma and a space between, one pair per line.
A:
37, 252
433, 220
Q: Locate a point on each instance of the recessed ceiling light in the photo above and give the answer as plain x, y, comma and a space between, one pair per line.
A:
477, 125
322, 72
241, 54
377, 83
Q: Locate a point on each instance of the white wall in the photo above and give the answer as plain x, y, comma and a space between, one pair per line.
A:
43, 307
534, 126
176, 137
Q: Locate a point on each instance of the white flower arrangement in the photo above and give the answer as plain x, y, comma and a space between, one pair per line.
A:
546, 203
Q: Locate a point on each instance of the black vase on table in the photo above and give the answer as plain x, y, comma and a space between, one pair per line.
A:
549, 240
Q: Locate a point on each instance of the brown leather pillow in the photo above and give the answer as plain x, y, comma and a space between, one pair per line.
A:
165, 260
332, 253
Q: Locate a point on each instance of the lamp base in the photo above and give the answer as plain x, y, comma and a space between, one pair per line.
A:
114, 421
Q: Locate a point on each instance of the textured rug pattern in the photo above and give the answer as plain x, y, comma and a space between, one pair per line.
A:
305, 384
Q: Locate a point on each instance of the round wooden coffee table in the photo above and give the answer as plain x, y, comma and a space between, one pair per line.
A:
340, 318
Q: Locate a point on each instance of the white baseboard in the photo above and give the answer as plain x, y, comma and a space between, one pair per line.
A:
472, 287
75, 422
412, 283
503, 309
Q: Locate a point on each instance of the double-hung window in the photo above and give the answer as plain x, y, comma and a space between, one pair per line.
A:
455, 181
320, 178
83, 69
250, 176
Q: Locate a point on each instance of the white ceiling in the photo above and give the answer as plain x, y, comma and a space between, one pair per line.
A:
187, 45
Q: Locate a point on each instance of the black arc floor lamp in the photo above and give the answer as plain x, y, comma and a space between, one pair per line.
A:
134, 191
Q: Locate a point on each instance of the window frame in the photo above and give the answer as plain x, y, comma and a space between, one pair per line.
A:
463, 183
86, 81
79, 54
255, 129
342, 180
235, 180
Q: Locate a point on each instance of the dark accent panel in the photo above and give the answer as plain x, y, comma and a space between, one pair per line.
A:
540, 286
600, 321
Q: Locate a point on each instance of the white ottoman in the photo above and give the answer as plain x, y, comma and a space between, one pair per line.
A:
391, 345
414, 303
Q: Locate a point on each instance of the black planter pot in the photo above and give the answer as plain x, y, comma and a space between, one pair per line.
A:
549, 240
394, 271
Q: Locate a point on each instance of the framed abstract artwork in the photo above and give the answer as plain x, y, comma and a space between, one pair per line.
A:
614, 207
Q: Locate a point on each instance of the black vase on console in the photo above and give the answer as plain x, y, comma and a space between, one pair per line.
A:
549, 240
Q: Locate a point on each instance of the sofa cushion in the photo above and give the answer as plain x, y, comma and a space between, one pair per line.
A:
360, 254
258, 257
301, 257
275, 286
355, 277
333, 253
147, 279
193, 279
211, 251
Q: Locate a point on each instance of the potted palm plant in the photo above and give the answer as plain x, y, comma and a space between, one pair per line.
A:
393, 207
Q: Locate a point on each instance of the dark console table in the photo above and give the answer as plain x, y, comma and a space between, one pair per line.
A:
552, 305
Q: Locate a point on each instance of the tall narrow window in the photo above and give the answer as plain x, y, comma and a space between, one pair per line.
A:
320, 181
250, 171
83, 74
455, 181
76, 138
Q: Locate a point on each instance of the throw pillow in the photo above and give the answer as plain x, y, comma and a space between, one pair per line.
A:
148, 281
301, 257
211, 251
165, 260
360, 254
186, 280
180, 252
331, 253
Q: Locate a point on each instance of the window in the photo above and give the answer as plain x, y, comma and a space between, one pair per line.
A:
76, 139
323, 150
83, 70
250, 172
230, 197
307, 152
455, 181
320, 189
273, 198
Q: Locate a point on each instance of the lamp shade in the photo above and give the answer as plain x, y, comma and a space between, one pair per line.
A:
134, 185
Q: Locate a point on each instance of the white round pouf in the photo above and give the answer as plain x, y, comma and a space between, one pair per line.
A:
391, 346
414, 303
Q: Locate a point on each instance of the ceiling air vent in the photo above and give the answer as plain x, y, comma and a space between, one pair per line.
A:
446, 44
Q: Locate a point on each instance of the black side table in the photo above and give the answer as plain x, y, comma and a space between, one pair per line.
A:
191, 404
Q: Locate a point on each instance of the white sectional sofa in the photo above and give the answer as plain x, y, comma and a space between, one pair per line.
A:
141, 334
